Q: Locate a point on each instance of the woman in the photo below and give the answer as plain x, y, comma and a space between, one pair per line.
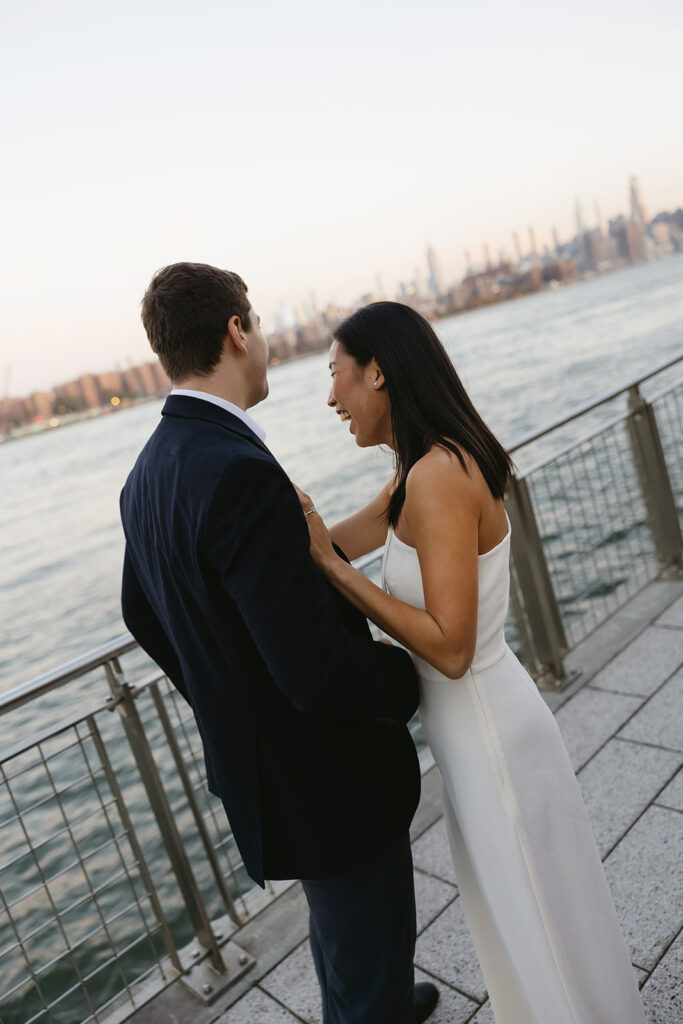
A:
528, 870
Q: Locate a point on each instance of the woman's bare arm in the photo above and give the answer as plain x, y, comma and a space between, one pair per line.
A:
366, 529
442, 514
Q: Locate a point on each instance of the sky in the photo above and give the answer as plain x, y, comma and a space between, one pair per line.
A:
309, 146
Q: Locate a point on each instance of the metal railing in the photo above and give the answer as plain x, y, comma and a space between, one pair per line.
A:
597, 520
593, 520
118, 870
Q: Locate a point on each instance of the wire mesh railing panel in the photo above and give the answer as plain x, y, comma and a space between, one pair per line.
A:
77, 925
593, 526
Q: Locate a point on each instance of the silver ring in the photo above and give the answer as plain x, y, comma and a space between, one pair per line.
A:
311, 510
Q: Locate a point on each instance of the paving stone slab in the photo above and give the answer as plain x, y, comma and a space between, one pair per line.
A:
257, 1008
651, 601
485, 1015
295, 983
452, 1008
672, 796
432, 853
432, 895
619, 783
641, 975
673, 616
590, 718
660, 721
645, 875
663, 992
645, 664
445, 949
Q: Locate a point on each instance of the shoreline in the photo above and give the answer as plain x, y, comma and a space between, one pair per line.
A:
68, 419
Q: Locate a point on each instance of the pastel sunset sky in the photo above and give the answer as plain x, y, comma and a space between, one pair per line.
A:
308, 146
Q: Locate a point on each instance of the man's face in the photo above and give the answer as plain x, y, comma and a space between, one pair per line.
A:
258, 359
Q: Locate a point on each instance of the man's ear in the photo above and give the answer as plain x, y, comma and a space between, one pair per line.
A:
235, 336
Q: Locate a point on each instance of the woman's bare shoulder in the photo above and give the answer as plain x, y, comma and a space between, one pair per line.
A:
441, 467
438, 486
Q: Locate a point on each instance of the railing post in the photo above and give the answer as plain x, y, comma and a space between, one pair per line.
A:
145, 873
222, 974
192, 801
522, 626
540, 604
655, 484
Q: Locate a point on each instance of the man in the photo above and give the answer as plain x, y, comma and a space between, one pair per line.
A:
302, 715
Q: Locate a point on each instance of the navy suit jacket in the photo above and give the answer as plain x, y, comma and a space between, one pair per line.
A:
302, 715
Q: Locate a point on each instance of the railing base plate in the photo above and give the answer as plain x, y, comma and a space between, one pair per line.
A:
549, 681
207, 984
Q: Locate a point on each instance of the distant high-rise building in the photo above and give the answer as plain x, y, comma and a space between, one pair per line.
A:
132, 382
69, 396
518, 248
580, 229
638, 214
532, 241
630, 242
556, 240
148, 379
533, 247
598, 217
420, 283
301, 317
163, 383
39, 404
487, 256
436, 281
468, 262
90, 389
110, 383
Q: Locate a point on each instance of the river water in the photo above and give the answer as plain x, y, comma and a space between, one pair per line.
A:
524, 363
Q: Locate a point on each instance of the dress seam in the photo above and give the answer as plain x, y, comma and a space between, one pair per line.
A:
510, 798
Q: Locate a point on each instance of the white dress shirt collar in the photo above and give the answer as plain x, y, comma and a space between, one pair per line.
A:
224, 404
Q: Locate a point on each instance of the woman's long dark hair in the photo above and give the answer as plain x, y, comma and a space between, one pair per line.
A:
429, 404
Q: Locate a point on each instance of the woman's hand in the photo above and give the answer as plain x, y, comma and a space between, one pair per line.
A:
322, 551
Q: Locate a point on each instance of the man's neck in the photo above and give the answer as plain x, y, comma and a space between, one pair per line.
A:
230, 391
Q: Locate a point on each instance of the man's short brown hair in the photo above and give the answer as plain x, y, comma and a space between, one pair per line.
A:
185, 312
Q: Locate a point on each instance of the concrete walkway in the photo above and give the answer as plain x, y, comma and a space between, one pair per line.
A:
622, 725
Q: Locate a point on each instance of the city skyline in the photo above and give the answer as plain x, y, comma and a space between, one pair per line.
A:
607, 245
306, 152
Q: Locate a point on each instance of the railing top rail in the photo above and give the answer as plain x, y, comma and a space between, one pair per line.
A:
64, 674
43, 684
581, 410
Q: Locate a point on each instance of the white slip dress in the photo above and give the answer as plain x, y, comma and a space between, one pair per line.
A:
528, 869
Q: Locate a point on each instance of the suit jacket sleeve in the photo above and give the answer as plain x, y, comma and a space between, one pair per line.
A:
257, 539
140, 619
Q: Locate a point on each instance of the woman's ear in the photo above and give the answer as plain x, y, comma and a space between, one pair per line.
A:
376, 377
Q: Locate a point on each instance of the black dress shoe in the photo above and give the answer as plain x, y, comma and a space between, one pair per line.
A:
425, 998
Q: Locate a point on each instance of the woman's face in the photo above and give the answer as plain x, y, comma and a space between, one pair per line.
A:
359, 397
